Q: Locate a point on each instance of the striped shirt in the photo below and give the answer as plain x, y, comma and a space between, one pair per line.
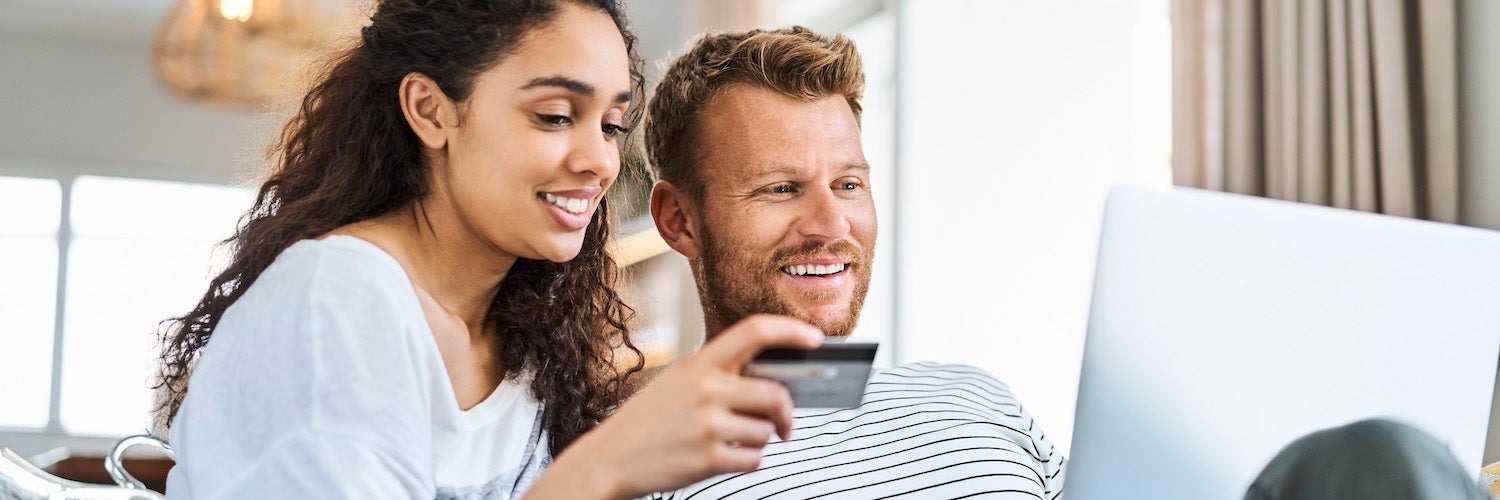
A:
925, 430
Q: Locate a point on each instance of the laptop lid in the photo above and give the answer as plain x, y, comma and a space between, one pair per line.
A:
1223, 327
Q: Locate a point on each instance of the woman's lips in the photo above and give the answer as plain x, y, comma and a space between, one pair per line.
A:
572, 208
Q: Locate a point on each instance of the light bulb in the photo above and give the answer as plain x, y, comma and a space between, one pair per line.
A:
236, 10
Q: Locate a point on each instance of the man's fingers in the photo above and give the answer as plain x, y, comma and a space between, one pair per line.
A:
737, 345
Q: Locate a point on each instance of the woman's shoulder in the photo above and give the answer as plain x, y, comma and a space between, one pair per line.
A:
336, 261
337, 301
333, 273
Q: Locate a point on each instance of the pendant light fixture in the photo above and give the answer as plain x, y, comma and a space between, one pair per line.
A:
237, 53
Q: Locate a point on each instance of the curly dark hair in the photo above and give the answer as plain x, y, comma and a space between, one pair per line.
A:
348, 155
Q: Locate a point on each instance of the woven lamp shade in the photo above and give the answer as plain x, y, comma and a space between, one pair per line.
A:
235, 53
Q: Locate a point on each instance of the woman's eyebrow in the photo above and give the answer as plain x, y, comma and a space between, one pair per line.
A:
572, 85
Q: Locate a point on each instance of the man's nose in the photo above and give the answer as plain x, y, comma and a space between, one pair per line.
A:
822, 215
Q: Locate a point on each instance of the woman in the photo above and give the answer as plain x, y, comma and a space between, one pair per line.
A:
420, 302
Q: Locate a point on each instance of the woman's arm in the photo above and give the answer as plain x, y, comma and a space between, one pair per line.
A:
700, 419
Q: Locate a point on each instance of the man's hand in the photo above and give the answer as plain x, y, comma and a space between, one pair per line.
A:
700, 419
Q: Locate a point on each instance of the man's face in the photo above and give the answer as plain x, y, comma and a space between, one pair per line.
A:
787, 222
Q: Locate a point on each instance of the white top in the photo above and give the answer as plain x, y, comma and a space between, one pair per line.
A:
324, 381
924, 430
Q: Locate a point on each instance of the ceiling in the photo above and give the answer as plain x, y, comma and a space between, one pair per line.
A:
114, 21
136, 21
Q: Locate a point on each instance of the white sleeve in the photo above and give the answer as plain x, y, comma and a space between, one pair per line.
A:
314, 389
1051, 463
1054, 470
328, 464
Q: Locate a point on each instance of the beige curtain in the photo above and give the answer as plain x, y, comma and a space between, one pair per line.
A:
1348, 103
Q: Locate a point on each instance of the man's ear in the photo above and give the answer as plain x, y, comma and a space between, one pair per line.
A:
428, 110
671, 210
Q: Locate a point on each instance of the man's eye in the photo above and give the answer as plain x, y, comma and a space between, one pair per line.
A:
849, 185
783, 189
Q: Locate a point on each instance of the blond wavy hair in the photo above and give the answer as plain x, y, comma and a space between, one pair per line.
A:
795, 62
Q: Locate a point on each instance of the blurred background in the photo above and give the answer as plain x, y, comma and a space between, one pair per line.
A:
135, 129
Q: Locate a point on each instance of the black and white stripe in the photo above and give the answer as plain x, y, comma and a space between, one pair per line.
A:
925, 430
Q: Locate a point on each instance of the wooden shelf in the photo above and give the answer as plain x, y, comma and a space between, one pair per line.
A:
639, 242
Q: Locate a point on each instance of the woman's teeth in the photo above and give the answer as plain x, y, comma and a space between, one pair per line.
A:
814, 270
575, 205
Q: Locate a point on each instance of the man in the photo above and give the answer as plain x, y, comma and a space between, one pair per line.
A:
764, 187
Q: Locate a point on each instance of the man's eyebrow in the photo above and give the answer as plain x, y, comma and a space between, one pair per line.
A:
573, 85
768, 170
773, 169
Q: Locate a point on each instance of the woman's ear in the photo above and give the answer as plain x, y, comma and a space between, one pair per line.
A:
428, 111
671, 210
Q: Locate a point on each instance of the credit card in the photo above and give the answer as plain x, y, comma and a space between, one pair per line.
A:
831, 376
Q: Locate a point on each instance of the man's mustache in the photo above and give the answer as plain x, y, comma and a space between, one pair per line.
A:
841, 249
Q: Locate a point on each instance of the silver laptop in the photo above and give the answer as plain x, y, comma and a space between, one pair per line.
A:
1223, 327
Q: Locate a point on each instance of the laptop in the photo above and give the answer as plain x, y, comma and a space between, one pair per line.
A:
1223, 327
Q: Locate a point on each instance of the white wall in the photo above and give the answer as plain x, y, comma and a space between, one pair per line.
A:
1017, 117
78, 94
93, 105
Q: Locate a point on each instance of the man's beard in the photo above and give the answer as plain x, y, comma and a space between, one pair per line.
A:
734, 285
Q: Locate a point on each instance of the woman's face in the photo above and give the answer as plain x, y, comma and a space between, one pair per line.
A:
535, 148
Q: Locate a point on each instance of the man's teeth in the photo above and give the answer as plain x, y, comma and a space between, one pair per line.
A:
815, 270
575, 205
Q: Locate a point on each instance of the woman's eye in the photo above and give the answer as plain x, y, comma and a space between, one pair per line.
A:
558, 120
612, 130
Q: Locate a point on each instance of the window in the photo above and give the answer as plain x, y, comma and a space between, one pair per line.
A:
30, 211
137, 252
